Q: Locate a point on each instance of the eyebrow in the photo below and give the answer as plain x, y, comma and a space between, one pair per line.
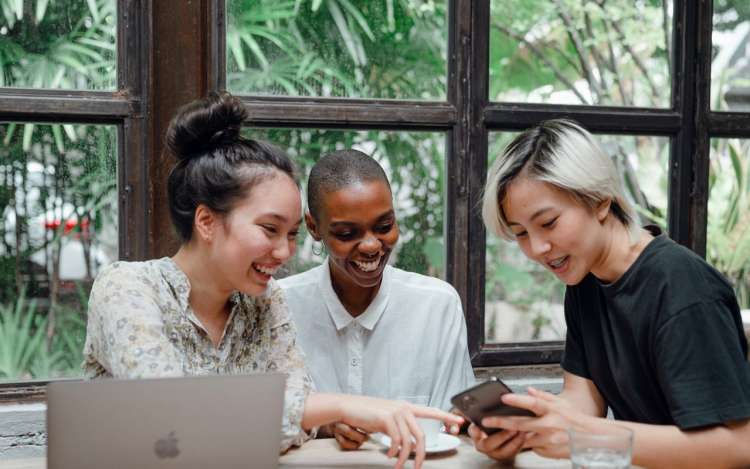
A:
388, 214
536, 214
280, 218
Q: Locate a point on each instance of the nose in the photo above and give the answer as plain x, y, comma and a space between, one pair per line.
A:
283, 249
539, 246
370, 245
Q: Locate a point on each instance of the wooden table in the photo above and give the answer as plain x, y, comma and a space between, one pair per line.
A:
325, 453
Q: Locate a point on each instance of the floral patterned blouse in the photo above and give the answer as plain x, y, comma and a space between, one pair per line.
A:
141, 325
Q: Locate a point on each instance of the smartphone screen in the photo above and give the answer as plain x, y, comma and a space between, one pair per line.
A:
483, 400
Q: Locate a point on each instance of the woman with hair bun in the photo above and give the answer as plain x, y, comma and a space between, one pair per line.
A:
654, 332
214, 307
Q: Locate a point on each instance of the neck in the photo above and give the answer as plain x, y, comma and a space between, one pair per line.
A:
208, 297
619, 252
355, 298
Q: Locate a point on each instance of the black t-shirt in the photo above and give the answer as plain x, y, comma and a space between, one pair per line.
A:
664, 344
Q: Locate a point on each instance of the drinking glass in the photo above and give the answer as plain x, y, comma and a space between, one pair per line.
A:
611, 449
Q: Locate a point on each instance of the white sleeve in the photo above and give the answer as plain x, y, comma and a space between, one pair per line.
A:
454, 373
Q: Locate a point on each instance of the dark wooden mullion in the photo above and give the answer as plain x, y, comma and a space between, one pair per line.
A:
613, 120
688, 171
133, 77
180, 56
217, 72
729, 124
467, 160
350, 113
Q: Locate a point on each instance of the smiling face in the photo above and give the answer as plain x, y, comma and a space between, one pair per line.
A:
556, 230
258, 235
358, 226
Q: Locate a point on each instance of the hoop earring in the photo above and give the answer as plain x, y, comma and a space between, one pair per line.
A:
321, 249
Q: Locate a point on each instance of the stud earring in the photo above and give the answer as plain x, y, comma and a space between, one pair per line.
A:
318, 248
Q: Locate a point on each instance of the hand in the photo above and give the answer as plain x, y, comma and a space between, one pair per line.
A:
503, 445
546, 434
348, 438
397, 419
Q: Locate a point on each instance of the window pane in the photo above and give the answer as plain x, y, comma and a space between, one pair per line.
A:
58, 200
728, 236
68, 45
573, 52
523, 300
414, 164
340, 48
730, 68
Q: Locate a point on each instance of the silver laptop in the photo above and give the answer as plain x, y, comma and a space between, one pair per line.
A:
195, 422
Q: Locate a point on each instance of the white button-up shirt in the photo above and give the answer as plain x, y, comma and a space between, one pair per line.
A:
410, 343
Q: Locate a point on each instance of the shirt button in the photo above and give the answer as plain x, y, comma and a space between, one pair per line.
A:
355, 362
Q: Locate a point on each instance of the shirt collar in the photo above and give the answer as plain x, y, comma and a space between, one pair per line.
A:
340, 316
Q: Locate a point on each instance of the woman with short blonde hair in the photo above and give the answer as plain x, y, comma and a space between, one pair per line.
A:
653, 332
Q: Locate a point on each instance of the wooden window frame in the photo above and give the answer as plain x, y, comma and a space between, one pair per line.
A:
168, 57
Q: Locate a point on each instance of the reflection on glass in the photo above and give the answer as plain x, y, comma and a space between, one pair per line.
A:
573, 52
415, 165
338, 48
66, 45
523, 300
58, 202
730, 67
728, 231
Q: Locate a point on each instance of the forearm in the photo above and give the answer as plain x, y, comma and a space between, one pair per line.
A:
666, 446
322, 409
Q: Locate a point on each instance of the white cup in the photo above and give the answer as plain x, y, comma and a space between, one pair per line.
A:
430, 427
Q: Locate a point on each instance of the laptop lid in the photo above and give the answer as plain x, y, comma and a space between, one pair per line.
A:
192, 422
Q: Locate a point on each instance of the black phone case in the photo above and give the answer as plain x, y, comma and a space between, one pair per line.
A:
483, 400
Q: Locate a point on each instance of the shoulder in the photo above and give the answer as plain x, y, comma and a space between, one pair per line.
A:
678, 271
124, 277
429, 290
301, 280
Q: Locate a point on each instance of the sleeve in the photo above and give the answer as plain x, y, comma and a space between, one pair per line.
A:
574, 357
455, 372
286, 357
701, 367
125, 335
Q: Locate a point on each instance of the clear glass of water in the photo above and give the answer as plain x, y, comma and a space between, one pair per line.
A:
612, 449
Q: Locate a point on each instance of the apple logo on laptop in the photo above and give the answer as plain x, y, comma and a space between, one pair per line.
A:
167, 447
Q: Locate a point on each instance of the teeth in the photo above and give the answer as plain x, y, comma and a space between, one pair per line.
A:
558, 262
266, 270
368, 266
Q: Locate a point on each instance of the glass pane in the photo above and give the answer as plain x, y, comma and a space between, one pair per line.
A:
340, 48
728, 231
523, 300
414, 164
67, 45
730, 67
574, 52
58, 201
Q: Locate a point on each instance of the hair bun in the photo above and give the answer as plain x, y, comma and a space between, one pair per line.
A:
205, 124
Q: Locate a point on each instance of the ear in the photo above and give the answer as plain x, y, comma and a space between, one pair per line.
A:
204, 223
602, 210
312, 227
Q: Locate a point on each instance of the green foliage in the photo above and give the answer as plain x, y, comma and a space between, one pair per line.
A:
25, 349
729, 214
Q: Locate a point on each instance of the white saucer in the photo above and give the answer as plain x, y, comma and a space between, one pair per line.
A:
444, 443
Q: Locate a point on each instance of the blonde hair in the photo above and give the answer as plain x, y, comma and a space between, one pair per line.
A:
562, 153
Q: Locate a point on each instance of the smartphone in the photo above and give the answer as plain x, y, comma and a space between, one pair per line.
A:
483, 400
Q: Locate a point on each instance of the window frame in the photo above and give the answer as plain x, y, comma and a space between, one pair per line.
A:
157, 73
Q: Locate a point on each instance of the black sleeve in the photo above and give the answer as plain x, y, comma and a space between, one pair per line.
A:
574, 358
701, 367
